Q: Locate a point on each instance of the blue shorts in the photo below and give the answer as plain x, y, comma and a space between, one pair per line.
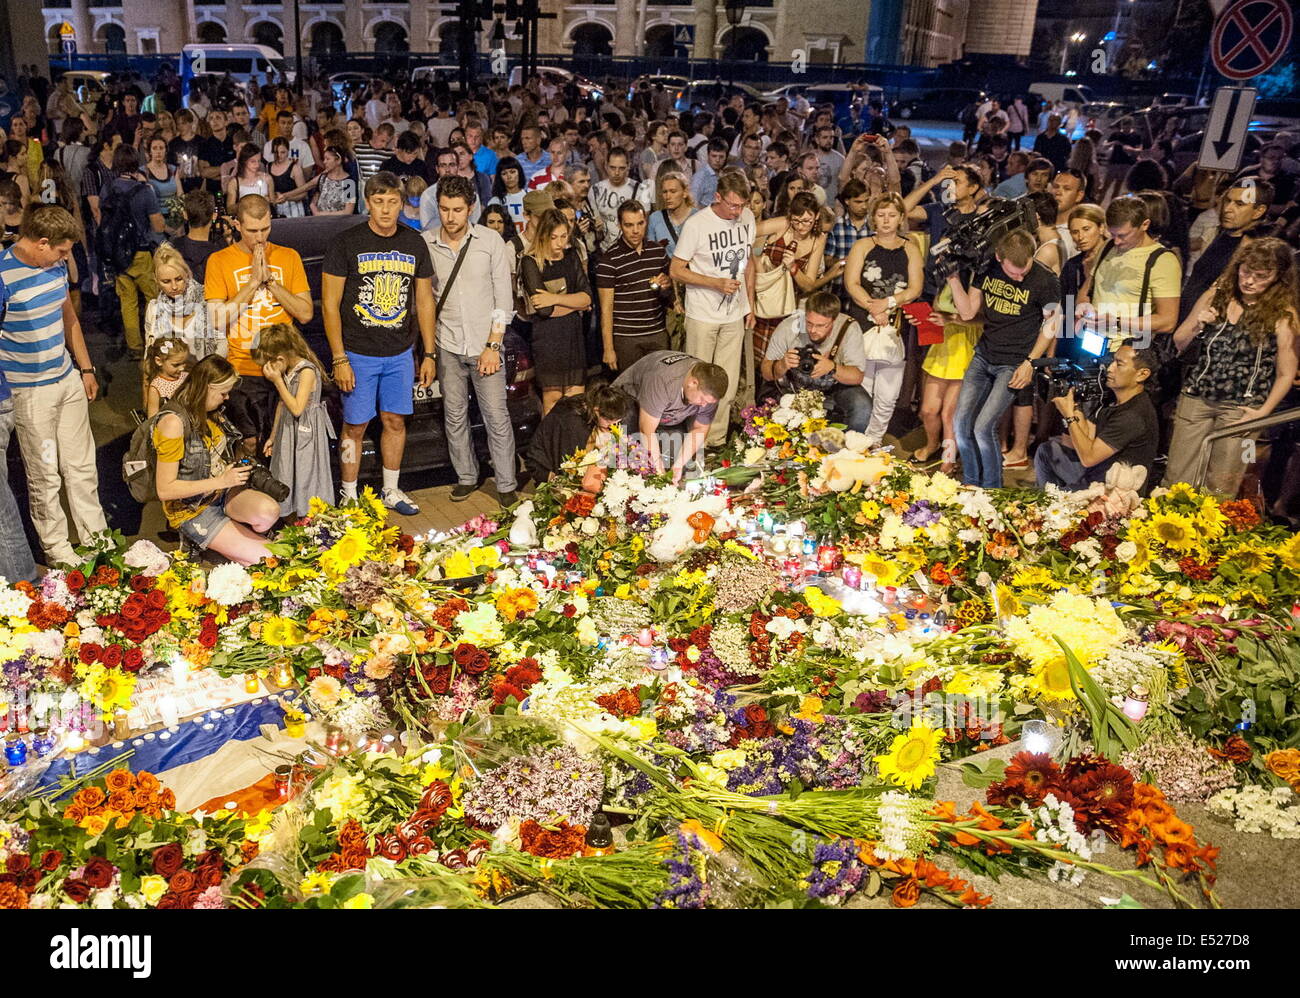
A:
201, 529
389, 381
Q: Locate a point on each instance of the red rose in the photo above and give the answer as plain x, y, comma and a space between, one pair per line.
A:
189, 899
89, 653
168, 901
420, 847
157, 599
51, 860
570, 609
133, 607
140, 583
463, 653
455, 860
133, 660
208, 639
77, 890
390, 847
441, 680
405, 543
754, 714
167, 859
211, 857
75, 580
571, 557
207, 876
479, 663
112, 656
181, 881
18, 863
408, 831
99, 872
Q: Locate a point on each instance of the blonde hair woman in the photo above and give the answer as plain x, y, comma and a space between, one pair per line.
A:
179, 310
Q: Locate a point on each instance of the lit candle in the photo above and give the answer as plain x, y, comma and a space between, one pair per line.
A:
852, 576
167, 710
1135, 704
828, 557
809, 545
645, 637
251, 684
15, 750
283, 674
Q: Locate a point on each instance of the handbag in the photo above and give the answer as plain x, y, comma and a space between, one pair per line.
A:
774, 296
883, 344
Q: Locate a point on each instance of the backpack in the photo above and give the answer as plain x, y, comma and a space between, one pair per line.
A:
140, 461
119, 237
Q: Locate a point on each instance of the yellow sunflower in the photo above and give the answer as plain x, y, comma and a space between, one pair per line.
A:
911, 758
1052, 681
880, 569
350, 549
1182, 490
1175, 531
1210, 520
1251, 558
1289, 554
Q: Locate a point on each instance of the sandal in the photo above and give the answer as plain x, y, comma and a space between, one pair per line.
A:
1021, 465
927, 459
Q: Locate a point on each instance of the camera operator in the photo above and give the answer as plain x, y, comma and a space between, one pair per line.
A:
820, 348
1020, 301
1124, 433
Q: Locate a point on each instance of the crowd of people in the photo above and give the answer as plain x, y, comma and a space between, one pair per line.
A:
666, 268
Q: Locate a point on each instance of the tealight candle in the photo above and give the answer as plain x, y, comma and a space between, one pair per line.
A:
251, 683
828, 557
283, 674
645, 637
852, 576
15, 749
1135, 704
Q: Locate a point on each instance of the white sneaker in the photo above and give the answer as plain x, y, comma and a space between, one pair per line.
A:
399, 502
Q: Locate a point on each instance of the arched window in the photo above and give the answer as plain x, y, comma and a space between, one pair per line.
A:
592, 39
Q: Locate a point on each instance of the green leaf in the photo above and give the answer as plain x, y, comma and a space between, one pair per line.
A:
980, 776
1112, 731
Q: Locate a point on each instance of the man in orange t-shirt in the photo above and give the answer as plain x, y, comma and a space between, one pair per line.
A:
250, 285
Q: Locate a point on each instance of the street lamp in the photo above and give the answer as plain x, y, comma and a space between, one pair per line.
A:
1075, 38
735, 14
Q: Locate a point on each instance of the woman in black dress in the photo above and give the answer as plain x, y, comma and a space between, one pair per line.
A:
556, 285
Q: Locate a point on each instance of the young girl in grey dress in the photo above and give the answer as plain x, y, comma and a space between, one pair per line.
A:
299, 445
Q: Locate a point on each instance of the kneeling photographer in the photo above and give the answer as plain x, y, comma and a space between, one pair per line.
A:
820, 349
1126, 432
213, 499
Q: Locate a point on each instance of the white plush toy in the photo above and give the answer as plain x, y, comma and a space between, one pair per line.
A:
676, 536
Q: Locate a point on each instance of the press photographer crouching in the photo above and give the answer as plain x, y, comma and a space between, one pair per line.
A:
207, 494
1126, 432
818, 348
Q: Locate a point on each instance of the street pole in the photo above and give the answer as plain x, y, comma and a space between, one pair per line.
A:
297, 43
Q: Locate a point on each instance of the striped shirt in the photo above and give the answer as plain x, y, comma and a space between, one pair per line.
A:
638, 307
32, 349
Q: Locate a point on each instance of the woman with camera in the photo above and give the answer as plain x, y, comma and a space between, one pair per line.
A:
205, 492
1245, 325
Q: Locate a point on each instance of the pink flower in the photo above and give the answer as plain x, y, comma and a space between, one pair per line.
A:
210, 899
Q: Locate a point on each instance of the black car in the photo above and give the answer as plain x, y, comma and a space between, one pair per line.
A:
943, 104
426, 437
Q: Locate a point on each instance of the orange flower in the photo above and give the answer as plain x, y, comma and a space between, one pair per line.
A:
965, 838
1172, 830
987, 821
906, 894
1181, 856
168, 799
1209, 854
89, 797
121, 800
971, 899
1285, 763
944, 810
146, 781
74, 813
119, 779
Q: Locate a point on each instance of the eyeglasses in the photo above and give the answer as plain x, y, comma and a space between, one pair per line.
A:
733, 205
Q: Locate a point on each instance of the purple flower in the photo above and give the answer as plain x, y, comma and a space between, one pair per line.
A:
921, 514
872, 701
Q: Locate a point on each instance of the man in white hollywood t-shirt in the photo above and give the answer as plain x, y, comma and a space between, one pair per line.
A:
714, 259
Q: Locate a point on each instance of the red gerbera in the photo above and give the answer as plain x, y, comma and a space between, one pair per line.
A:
1035, 774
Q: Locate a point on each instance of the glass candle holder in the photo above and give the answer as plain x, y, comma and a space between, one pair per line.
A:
282, 675
829, 557
334, 739
283, 781
1039, 737
251, 683
15, 749
43, 741
1135, 703
852, 576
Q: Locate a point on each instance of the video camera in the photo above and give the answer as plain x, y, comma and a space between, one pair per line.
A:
971, 239
1055, 377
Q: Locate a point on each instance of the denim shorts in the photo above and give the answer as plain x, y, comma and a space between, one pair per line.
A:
201, 529
388, 380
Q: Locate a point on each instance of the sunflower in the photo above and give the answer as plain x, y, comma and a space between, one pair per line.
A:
1289, 554
1210, 520
1052, 680
1181, 490
1175, 531
281, 632
1251, 558
350, 549
911, 758
881, 569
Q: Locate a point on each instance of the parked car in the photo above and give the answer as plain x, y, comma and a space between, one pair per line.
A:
587, 90
703, 95
671, 83
1188, 147
942, 104
446, 72
88, 85
1075, 94
426, 437
843, 96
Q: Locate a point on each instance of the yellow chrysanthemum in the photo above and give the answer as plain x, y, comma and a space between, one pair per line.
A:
912, 757
315, 884
488, 556
821, 604
1175, 531
869, 510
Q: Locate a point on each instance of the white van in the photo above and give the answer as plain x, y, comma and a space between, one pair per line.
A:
244, 64
1074, 94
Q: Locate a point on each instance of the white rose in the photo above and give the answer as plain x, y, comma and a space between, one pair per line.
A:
1031, 538
1126, 551
753, 455
590, 525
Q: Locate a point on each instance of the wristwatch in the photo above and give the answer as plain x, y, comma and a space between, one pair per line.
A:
1070, 419
492, 346
89, 370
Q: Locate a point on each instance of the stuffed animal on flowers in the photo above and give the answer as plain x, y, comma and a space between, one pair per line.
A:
851, 467
690, 521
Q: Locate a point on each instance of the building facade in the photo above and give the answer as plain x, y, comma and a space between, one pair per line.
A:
925, 32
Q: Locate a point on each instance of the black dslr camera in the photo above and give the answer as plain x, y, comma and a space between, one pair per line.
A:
970, 241
262, 480
1055, 377
800, 378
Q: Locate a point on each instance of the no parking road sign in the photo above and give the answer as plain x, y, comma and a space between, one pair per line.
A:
1250, 36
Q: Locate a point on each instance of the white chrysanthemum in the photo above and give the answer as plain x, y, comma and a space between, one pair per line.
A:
229, 584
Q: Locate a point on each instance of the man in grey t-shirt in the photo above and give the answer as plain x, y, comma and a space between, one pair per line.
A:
840, 359
672, 389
